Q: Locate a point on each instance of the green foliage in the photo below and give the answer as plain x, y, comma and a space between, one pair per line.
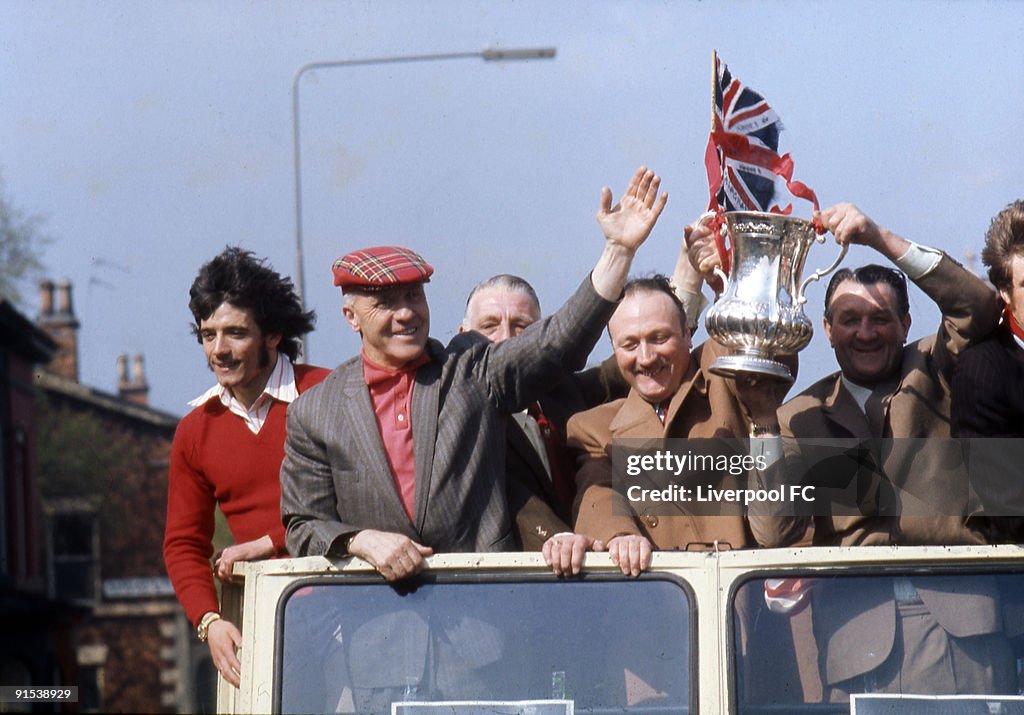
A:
78, 456
21, 243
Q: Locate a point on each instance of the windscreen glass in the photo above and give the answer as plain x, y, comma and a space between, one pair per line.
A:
542, 647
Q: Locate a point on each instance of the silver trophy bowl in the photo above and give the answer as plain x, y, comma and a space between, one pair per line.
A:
760, 312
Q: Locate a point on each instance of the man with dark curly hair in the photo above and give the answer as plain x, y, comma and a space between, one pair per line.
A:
228, 450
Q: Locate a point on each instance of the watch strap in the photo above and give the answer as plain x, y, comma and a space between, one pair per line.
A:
203, 629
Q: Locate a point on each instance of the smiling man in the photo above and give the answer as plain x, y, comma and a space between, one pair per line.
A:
402, 449
886, 388
673, 394
501, 307
898, 635
227, 451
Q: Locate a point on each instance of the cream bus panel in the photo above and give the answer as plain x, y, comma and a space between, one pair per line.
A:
753, 632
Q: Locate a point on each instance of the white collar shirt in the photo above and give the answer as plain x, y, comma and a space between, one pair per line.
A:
280, 386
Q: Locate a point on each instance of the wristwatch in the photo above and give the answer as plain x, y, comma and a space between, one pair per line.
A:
203, 629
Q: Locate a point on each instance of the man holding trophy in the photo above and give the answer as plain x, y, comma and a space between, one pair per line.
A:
888, 390
674, 394
884, 389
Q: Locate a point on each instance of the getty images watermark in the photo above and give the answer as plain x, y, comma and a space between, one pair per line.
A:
812, 477
709, 473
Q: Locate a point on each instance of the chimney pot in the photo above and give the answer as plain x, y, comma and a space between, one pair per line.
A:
122, 371
134, 390
138, 371
64, 298
62, 326
45, 297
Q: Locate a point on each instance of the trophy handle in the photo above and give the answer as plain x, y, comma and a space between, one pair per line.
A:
724, 253
724, 278
818, 275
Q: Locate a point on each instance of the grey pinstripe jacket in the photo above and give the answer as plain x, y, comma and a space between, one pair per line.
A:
335, 477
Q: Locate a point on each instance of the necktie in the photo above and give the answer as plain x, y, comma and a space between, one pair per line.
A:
561, 471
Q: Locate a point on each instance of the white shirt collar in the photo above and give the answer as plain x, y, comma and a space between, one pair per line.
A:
860, 393
280, 386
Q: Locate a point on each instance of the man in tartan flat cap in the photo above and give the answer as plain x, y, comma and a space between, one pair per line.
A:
401, 450
380, 268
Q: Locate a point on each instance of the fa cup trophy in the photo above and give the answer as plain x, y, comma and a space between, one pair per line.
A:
760, 312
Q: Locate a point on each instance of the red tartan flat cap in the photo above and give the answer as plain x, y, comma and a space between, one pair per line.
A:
380, 267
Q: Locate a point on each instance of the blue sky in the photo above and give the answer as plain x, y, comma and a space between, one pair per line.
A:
152, 134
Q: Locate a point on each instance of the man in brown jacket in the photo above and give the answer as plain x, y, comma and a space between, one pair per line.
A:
673, 395
896, 635
886, 389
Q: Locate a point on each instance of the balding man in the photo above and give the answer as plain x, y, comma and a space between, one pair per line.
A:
538, 468
673, 395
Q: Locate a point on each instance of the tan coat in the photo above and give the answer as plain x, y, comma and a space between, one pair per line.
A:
856, 631
918, 407
705, 406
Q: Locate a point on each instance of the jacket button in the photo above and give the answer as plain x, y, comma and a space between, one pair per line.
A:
649, 520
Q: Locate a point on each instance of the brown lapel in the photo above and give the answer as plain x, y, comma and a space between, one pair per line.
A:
637, 419
841, 409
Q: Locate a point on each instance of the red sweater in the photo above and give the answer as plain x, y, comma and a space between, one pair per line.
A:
215, 459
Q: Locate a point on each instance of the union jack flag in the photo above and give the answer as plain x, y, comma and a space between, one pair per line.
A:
746, 185
742, 157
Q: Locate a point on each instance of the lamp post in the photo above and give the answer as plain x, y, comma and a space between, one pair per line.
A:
488, 55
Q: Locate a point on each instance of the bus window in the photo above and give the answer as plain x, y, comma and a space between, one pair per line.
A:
820, 639
611, 644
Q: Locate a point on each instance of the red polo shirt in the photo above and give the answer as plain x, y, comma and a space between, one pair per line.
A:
391, 395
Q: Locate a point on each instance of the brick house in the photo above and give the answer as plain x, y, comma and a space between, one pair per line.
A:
36, 645
103, 469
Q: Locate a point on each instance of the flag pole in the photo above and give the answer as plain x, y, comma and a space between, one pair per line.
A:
714, 79
723, 251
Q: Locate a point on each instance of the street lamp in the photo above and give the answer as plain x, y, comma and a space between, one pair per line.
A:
488, 55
